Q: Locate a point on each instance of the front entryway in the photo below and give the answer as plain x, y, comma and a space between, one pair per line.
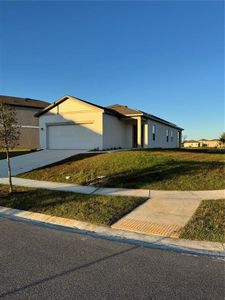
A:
135, 136
135, 144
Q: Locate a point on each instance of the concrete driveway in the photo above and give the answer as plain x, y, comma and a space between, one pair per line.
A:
28, 162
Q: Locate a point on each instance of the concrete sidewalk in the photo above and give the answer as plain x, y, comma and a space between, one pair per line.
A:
75, 188
154, 194
164, 214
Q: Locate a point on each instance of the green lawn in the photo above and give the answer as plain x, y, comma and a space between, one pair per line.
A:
15, 152
208, 223
103, 210
150, 169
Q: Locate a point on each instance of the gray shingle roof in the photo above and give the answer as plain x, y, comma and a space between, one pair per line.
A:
25, 102
126, 111
117, 110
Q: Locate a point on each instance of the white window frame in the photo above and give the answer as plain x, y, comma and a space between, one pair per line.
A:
167, 135
153, 132
171, 135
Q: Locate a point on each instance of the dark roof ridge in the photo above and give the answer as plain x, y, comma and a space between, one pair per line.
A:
65, 97
124, 109
130, 111
21, 101
111, 109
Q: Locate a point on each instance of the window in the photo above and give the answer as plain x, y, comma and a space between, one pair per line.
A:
178, 137
153, 132
167, 135
171, 135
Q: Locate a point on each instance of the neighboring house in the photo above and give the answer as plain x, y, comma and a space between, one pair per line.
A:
72, 123
215, 143
25, 110
191, 144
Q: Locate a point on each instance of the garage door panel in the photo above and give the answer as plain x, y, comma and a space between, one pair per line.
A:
80, 136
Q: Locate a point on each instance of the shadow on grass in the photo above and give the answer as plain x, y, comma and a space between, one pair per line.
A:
177, 174
15, 153
204, 150
33, 199
167, 172
187, 150
98, 209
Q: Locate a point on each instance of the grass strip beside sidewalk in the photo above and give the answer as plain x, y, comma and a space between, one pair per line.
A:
208, 222
102, 210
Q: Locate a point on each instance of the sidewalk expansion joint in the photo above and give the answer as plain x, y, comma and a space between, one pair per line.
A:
93, 192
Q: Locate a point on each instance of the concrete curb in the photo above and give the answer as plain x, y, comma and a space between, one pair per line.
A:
152, 241
75, 188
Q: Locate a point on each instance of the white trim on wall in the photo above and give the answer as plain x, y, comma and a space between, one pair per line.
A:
29, 126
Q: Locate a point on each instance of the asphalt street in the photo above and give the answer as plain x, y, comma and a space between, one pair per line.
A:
37, 262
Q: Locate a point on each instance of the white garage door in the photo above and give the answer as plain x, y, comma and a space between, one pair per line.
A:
71, 137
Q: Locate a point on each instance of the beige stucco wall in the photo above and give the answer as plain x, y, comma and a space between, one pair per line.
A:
200, 143
210, 144
116, 133
160, 140
108, 130
74, 112
191, 144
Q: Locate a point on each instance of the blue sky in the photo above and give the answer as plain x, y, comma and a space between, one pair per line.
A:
163, 57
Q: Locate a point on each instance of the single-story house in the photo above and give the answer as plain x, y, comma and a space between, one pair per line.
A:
191, 144
25, 110
72, 123
215, 143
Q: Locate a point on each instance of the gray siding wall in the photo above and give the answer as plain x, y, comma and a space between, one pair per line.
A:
119, 133
29, 137
25, 116
160, 136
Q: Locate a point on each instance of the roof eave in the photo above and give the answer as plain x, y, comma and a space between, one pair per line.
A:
66, 97
162, 121
23, 105
52, 105
134, 115
114, 114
